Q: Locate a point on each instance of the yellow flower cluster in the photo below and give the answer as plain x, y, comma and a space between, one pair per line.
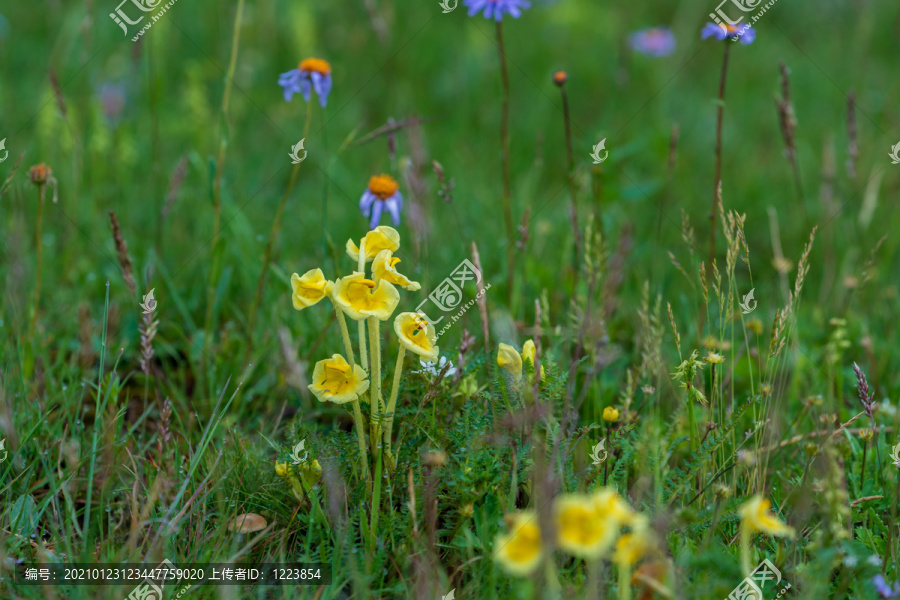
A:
509, 359
340, 379
586, 526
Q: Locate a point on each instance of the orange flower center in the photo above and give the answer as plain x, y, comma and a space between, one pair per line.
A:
383, 186
315, 64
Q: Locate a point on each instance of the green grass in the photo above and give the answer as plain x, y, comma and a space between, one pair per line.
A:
100, 469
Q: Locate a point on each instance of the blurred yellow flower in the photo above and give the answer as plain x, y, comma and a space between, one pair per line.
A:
633, 546
529, 351
756, 516
385, 267
582, 528
508, 358
281, 468
360, 298
380, 238
309, 289
520, 551
610, 414
714, 358
334, 380
611, 505
416, 335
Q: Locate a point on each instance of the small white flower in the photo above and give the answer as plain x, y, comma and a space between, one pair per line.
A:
432, 369
874, 560
850, 561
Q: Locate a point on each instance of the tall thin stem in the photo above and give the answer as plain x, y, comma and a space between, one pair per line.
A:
361, 268
504, 150
39, 248
273, 235
375, 382
718, 169
392, 405
572, 191
217, 182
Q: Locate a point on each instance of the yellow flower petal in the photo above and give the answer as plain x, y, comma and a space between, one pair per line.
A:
334, 380
582, 528
380, 238
360, 298
611, 504
416, 334
309, 289
520, 552
756, 516
635, 545
509, 358
528, 351
610, 414
385, 267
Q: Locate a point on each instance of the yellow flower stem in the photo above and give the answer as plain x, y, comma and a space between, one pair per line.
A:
361, 438
345, 333
624, 582
375, 382
376, 501
392, 405
362, 324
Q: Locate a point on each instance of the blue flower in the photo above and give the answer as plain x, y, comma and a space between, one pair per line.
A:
382, 193
734, 32
494, 9
312, 74
656, 41
884, 590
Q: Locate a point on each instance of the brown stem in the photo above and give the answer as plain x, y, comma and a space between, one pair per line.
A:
40, 254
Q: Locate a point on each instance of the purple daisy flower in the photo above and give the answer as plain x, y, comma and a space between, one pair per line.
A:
382, 193
313, 74
734, 32
494, 9
655, 41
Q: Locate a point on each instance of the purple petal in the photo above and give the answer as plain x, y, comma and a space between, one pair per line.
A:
748, 36
376, 214
713, 30
394, 204
365, 203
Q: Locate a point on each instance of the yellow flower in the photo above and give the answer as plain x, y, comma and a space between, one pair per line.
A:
336, 381
416, 335
756, 516
520, 551
380, 238
309, 289
714, 358
633, 546
281, 468
528, 351
385, 267
582, 528
610, 414
315, 65
611, 505
360, 298
509, 358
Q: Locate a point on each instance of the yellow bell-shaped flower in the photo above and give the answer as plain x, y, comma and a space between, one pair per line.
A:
385, 267
360, 298
508, 358
309, 289
520, 552
582, 528
756, 516
416, 335
334, 380
528, 351
633, 546
380, 238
